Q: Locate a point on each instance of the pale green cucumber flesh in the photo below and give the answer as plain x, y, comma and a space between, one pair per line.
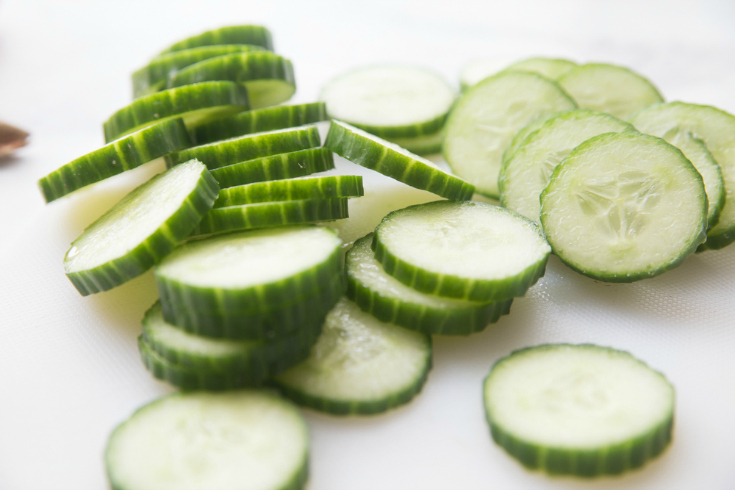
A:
292, 189
478, 70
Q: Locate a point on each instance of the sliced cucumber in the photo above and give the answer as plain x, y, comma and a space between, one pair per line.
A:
228, 152
377, 154
391, 301
195, 104
623, 207
578, 410
359, 365
524, 175
292, 190
521, 135
551, 68
609, 88
249, 34
192, 441
422, 145
268, 119
116, 157
467, 250
268, 77
141, 229
486, 119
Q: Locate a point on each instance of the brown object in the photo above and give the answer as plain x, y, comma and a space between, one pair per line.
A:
11, 138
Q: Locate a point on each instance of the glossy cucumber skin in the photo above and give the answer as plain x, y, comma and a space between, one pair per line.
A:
247, 34
330, 187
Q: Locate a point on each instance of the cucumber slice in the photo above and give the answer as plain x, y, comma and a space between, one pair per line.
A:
359, 365
292, 190
609, 88
377, 154
422, 145
268, 77
716, 129
391, 301
486, 118
192, 441
467, 250
268, 119
195, 104
249, 147
521, 135
282, 166
248, 34
390, 101
152, 77
623, 207
524, 175
116, 157
551, 68
578, 410
141, 229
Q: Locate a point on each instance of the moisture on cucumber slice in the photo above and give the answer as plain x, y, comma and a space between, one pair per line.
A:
141, 229
114, 158
579, 410
196, 104
609, 88
192, 441
421, 145
259, 120
487, 117
623, 207
291, 190
391, 301
551, 68
248, 34
377, 154
359, 365
467, 250
524, 175
268, 77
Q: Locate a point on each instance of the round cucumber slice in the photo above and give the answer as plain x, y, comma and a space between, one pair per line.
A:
421, 145
609, 88
114, 158
524, 175
291, 190
248, 34
141, 229
468, 250
195, 104
389, 300
486, 119
551, 68
359, 365
623, 207
190, 441
578, 410
377, 154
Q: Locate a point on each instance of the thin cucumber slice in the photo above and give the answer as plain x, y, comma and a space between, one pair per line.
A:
623, 207
282, 166
486, 119
390, 101
609, 88
192, 441
377, 154
579, 410
422, 145
391, 301
716, 129
141, 229
291, 190
248, 34
551, 68
268, 77
228, 152
268, 119
152, 77
359, 365
524, 175
467, 250
116, 157
196, 104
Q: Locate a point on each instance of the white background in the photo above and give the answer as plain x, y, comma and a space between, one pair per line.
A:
69, 367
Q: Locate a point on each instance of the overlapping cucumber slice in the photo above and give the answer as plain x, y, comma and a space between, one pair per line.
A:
245, 34
327, 187
476, 71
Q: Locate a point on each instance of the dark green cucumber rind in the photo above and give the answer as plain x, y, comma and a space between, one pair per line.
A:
248, 34
218, 98
259, 120
154, 248
277, 167
116, 157
292, 190
269, 214
409, 131
375, 156
228, 152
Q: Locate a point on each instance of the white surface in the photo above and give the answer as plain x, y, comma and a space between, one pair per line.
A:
69, 367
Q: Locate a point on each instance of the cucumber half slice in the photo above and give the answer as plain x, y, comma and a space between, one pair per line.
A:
359, 365
248, 34
551, 68
291, 190
465, 250
578, 410
624, 207
141, 229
